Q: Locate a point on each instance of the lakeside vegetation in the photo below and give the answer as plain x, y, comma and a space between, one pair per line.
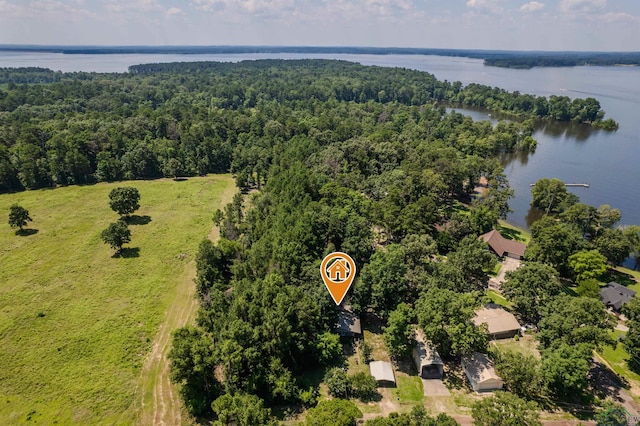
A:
76, 323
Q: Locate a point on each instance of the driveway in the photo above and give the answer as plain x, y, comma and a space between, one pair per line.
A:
508, 264
434, 387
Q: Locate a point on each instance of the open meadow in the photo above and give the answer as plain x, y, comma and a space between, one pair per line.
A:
76, 324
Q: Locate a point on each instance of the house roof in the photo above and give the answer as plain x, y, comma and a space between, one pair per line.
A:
497, 319
348, 322
479, 367
501, 245
616, 295
426, 351
382, 371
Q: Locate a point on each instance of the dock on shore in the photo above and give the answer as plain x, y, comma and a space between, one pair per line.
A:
583, 185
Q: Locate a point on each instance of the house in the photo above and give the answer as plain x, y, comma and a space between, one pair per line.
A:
339, 270
480, 372
382, 371
348, 324
501, 324
615, 295
502, 246
426, 358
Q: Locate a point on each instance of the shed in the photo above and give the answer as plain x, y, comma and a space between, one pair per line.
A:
501, 324
502, 246
382, 371
614, 295
480, 372
348, 324
426, 358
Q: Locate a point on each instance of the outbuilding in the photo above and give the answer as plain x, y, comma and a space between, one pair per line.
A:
382, 371
426, 358
480, 372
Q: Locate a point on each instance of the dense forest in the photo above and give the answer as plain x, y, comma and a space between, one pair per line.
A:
195, 118
337, 156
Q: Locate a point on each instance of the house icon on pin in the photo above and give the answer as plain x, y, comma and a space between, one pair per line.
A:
338, 271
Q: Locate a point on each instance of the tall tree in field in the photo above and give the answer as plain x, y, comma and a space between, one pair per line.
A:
505, 409
18, 216
116, 235
124, 200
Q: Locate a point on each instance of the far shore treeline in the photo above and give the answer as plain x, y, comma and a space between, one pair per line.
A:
496, 58
193, 118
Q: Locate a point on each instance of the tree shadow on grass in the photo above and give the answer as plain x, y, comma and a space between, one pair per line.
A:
137, 220
511, 234
26, 232
128, 252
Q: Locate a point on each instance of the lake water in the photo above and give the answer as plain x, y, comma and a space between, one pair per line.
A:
608, 161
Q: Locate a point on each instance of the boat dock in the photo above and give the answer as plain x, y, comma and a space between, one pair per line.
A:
583, 185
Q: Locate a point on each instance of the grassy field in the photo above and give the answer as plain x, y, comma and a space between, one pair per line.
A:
498, 299
76, 324
513, 232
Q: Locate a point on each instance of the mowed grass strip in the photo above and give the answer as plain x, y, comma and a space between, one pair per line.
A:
75, 323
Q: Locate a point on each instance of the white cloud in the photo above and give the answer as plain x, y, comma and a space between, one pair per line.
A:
175, 11
582, 6
486, 5
532, 6
612, 17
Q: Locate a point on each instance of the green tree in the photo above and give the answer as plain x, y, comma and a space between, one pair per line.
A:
363, 386
336, 412
192, 362
531, 287
612, 414
575, 320
589, 288
329, 348
614, 245
632, 233
338, 383
124, 200
472, 261
398, 334
551, 196
116, 235
631, 310
18, 216
587, 264
565, 369
521, 374
445, 316
505, 409
241, 410
552, 242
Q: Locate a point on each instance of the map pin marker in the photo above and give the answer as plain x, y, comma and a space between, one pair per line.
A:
338, 271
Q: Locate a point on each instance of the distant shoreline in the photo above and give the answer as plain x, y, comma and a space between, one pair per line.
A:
499, 58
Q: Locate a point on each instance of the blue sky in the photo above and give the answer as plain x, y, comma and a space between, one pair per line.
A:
482, 24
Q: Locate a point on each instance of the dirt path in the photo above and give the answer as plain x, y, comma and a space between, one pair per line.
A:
157, 398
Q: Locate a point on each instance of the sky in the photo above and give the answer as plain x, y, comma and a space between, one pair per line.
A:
465, 24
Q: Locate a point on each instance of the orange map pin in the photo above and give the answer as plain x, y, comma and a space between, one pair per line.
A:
338, 271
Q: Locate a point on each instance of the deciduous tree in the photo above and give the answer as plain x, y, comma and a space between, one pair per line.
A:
124, 200
505, 409
116, 235
18, 216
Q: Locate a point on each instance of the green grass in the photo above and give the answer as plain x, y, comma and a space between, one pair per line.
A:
617, 359
513, 232
526, 344
498, 299
409, 389
75, 323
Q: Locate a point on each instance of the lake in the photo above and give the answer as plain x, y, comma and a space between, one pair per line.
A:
608, 161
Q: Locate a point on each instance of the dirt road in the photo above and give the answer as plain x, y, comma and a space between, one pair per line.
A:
157, 398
